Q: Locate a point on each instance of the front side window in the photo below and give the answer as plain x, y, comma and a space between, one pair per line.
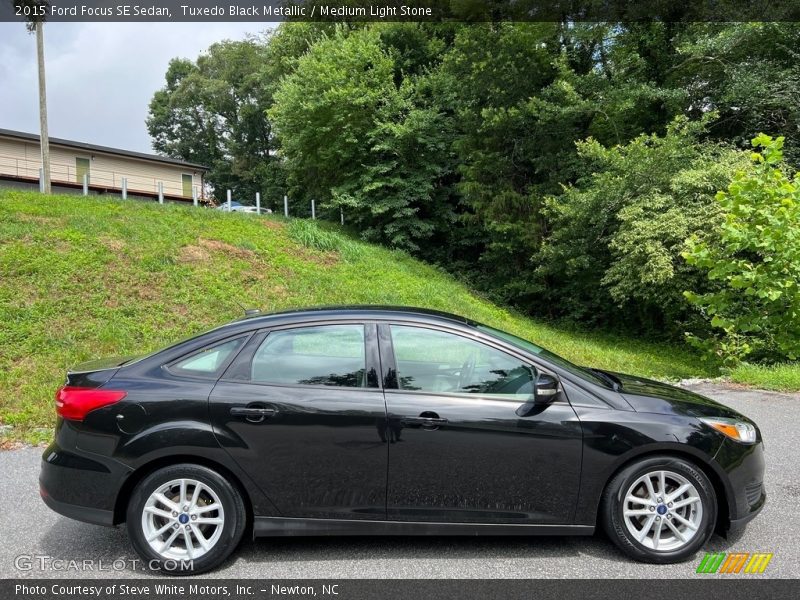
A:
440, 362
208, 361
331, 355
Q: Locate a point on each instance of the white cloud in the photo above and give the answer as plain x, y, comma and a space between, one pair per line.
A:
100, 76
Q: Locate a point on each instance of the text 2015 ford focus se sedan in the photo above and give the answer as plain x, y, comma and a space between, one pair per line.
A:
373, 420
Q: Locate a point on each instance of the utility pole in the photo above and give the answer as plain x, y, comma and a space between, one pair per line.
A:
44, 138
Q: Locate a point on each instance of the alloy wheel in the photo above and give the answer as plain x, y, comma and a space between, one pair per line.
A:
183, 519
662, 510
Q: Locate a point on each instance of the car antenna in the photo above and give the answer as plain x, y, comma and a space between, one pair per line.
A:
248, 312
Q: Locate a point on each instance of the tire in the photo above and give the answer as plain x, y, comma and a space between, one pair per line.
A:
218, 516
628, 508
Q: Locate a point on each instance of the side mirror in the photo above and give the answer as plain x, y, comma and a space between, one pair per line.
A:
546, 389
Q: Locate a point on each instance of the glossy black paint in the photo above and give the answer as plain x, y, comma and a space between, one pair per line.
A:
376, 459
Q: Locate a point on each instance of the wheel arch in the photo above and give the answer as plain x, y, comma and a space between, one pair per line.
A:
720, 490
125, 491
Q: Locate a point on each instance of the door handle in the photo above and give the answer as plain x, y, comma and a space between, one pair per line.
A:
252, 414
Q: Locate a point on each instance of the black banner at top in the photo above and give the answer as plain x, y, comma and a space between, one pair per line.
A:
398, 10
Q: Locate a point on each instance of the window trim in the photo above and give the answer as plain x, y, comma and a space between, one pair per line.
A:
371, 355
216, 375
388, 359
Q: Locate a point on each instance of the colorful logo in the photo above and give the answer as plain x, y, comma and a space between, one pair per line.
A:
735, 562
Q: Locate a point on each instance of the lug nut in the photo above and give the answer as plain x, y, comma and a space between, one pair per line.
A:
652, 508
188, 528
174, 513
186, 508
660, 500
670, 504
175, 526
658, 518
194, 517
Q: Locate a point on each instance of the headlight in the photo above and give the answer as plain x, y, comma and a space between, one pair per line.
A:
733, 428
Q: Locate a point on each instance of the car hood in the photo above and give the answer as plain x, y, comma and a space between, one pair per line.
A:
646, 395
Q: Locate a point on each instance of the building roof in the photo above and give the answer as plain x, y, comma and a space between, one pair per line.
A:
32, 137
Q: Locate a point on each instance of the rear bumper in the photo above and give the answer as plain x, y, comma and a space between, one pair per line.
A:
80, 486
86, 514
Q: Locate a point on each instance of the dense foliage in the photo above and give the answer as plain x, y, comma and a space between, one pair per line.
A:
559, 167
753, 259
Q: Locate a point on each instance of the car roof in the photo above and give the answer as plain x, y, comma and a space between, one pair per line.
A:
367, 311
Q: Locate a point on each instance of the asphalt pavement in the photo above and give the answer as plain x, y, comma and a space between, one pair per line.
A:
36, 542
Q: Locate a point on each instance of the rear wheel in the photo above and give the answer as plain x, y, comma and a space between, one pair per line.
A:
185, 519
660, 509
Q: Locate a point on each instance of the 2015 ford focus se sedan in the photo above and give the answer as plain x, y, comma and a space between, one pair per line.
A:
372, 420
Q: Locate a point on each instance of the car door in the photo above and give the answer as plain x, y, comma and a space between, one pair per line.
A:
459, 451
302, 412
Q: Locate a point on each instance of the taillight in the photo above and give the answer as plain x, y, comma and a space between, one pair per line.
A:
75, 403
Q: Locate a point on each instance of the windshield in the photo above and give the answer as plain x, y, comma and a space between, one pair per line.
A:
545, 354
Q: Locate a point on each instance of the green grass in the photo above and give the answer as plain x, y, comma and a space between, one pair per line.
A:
780, 378
84, 278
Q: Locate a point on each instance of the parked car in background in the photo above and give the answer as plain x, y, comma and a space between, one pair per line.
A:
233, 206
254, 210
243, 208
384, 421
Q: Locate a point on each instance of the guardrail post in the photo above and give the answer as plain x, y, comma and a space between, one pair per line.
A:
161, 192
313, 209
194, 195
85, 184
285, 205
258, 203
229, 201
124, 188
341, 215
41, 180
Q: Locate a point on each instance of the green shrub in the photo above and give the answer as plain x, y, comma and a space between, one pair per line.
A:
311, 235
753, 263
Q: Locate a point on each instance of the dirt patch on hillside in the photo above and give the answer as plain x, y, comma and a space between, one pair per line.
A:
112, 244
205, 249
277, 226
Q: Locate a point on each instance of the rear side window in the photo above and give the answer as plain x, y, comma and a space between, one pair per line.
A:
331, 355
209, 361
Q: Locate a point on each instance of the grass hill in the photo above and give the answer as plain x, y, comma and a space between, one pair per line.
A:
87, 277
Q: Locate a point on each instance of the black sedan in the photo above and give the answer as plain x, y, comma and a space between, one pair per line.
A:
378, 421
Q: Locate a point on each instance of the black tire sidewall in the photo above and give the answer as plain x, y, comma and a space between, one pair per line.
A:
233, 528
613, 506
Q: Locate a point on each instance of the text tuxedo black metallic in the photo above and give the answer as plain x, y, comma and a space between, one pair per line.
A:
376, 420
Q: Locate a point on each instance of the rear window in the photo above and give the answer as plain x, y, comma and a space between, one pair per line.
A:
208, 361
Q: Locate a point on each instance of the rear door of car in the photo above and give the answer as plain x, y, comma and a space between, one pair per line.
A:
301, 410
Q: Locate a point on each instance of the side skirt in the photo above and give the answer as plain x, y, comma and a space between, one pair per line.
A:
285, 526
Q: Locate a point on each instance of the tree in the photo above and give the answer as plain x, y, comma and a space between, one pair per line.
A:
752, 262
353, 136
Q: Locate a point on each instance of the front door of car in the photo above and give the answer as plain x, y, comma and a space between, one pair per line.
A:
459, 451
301, 411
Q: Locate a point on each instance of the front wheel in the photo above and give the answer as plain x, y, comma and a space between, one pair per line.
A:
185, 519
660, 509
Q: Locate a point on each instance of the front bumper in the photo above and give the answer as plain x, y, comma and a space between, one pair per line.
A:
744, 467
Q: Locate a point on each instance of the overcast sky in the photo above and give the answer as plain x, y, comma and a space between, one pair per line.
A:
100, 76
